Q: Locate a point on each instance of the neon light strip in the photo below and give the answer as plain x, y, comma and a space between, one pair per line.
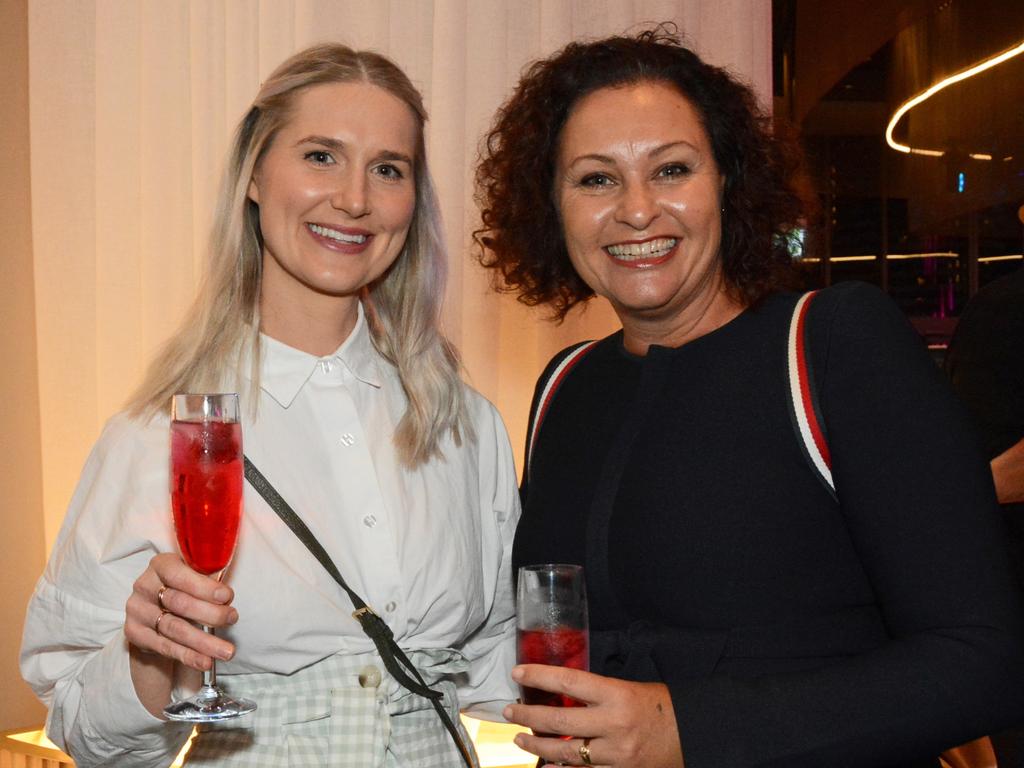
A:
834, 259
911, 103
900, 256
936, 255
1007, 257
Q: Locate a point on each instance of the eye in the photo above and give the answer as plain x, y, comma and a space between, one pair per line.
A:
596, 181
389, 172
319, 157
674, 170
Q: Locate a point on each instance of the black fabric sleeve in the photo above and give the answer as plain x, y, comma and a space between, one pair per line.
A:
920, 510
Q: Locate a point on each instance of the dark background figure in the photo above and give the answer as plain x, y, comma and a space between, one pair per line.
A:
985, 362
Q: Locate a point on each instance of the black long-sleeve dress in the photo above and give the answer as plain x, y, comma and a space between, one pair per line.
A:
791, 630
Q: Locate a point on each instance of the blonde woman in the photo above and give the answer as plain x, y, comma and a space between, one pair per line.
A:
321, 308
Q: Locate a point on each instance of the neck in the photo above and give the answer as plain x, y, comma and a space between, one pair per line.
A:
317, 326
704, 315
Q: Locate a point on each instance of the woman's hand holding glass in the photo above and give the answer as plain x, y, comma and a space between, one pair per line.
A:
623, 723
176, 590
579, 718
179, 598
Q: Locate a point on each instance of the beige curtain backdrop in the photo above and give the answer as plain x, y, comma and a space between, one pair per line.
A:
132, 103
115, 117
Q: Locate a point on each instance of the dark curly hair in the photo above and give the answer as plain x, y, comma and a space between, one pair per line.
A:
521, 234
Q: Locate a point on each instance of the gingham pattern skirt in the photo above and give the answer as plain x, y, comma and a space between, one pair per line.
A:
344, 711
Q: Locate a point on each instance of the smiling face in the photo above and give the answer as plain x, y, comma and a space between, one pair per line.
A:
336, 196
639, 196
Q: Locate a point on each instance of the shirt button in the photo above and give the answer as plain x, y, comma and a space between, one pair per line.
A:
348, 439
326, 366
370, 520
390, 607
369, 677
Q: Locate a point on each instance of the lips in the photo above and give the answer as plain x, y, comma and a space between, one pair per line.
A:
340, 239
644, 253
352, 237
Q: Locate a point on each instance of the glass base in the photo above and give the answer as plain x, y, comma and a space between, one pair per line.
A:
208, 705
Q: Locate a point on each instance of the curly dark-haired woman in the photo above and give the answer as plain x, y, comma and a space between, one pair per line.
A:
751, 604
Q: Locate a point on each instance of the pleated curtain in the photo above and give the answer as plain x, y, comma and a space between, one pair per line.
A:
132, 104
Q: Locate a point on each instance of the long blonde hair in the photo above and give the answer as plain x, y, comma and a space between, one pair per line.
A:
402, 308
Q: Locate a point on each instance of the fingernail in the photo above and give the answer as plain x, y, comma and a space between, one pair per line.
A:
225, 654
232, 616
518, 740
507, 713
222, 594
517, 673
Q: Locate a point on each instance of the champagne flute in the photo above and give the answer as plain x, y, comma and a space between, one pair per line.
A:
206, 498
552, 626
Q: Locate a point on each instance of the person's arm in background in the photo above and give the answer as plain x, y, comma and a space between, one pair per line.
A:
985, 364
1008, 474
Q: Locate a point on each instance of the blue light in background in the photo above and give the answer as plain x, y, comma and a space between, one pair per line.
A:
961, 181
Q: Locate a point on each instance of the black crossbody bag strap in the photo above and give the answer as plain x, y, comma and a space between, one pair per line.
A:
373, 626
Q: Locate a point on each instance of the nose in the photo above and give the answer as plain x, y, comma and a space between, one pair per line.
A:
351, 196
638, 205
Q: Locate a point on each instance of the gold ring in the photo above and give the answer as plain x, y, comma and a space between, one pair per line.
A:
156, 626
584, 750
160, 596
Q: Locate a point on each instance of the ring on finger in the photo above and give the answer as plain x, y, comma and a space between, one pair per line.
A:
156, 625
584, 747
160, 596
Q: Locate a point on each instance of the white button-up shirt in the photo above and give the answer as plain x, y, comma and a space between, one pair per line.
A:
428, 549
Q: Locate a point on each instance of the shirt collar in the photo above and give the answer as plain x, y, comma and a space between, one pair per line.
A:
285, 370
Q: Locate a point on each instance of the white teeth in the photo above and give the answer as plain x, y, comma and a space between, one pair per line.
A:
648, 249
335, 235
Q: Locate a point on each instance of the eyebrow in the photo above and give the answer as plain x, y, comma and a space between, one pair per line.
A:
660, 150
335, 144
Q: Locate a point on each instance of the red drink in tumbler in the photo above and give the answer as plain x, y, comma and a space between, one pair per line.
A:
206, 491
560, 647
551, 625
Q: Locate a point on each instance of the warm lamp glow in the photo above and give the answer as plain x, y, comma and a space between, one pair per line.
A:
945, 83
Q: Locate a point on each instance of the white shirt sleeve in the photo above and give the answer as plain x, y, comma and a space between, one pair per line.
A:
487, 687
74, 653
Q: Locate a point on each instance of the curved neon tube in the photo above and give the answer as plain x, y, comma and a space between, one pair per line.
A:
945, 83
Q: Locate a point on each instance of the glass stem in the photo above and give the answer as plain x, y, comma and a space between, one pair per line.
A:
210, 675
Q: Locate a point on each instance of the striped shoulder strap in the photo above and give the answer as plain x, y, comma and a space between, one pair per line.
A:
548, 390
803, 397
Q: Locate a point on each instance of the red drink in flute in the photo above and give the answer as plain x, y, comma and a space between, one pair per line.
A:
206, 500
206, 491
